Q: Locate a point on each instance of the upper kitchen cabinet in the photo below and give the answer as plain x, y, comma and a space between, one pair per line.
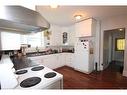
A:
9, 41
85, 28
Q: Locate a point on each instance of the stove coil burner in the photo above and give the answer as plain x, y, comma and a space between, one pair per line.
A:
21, 72
50, 75
29, 82
37, 68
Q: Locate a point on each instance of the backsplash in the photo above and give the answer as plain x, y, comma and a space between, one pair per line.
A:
47, 50
50, 48
61, 48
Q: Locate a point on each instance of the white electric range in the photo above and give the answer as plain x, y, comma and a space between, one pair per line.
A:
38, 77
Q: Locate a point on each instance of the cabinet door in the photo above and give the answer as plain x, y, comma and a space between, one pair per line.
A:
84, 28
37, 59
54, 61
62, 60
48, 61
51, 61
69, 59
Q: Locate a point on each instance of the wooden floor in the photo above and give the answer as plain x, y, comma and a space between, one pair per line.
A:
110, 78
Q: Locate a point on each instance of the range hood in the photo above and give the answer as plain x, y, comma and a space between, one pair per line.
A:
24, 20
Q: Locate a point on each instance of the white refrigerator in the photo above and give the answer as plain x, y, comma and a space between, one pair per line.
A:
84, 55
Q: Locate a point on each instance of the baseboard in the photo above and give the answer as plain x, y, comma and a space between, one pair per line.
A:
81, 71
124, 73
63, 67
77, 70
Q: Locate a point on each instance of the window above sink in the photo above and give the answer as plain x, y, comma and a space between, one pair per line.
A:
34, 40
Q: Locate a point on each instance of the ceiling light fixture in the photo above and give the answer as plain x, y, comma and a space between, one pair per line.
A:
53, 5
78, 17
120, 29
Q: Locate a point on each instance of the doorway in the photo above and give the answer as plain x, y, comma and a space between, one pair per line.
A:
113, 49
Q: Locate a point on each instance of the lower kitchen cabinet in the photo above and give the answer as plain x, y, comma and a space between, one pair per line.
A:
46, 60
54, 60
37, 59
68, 59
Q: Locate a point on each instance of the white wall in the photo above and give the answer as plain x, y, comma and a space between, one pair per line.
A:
71, 34
97, 45
113, 23
106, 49
56, 35
72, 38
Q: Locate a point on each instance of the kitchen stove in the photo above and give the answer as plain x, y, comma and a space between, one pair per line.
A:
39, 77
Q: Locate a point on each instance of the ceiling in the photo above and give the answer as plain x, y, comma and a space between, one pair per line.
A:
64, 15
